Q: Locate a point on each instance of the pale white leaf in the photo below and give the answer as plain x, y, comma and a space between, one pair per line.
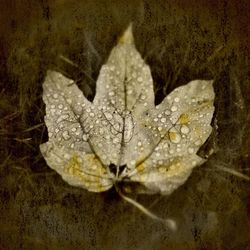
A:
122, 137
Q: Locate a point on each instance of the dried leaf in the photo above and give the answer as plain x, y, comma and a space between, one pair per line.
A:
122, 136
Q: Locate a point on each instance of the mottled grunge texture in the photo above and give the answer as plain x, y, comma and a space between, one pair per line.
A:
180, 41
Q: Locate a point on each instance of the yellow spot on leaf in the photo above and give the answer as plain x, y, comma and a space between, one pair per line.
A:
140, 168
162, 170
73, 166
172, 136
176, 166
172, 168
198, 131
183, 119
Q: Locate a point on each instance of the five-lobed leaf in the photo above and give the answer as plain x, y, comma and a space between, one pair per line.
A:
122, 136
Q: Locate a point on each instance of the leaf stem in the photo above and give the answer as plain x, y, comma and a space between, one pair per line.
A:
233, 172
171, 224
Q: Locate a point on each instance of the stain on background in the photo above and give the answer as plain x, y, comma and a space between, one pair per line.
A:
181, 41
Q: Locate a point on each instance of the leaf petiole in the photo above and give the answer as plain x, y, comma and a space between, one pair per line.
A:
171, 224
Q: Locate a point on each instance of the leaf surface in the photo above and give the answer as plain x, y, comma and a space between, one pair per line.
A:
122, 136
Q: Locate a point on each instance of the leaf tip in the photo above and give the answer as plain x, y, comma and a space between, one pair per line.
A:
127, 37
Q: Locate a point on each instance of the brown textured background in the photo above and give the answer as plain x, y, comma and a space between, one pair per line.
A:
181, 41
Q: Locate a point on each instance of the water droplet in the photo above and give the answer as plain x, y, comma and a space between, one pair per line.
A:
190, 150
185, 129
67, 156
116, 140
160, 128
91, 114
171, 151
85, 137
176, 99
61, 126
66, 135
167, 112
130, 91
139, 79
162, 170
117, 127
203, 87
94, 167
132, 162
104, 123
58, 112
173, 108
55, 96
163, 119
69, 101
198, 142
62, 118
108, 116
174, 136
